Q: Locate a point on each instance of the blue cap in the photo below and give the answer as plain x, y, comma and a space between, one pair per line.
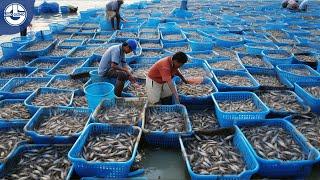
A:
132, 44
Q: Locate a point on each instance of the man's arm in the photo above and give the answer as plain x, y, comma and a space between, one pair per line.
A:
173, 90
181, 76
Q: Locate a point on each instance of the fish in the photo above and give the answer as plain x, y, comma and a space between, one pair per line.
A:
65, 123
108, 147
139, 91
313, 90
9, 75
81, 36
14, 111
274, 143
56, 52
214, 155
121, 113
185, 48
194, 72
39, 73
69, 84
141, 72
281, 101
151, 53
79, 101
38, 46
9, 139
246, 105
148, 35
61, 36
172, 37
15, 62
309, 126
267, 80
28, 86
52, 99
226, 65
194, 89
102, 36
150, 45
165, 121
305, 58
82, 53
126, 34
299, 71
203, 120
254, 60
235, 80
41, 163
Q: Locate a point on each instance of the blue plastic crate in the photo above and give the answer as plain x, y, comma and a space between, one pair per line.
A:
29, 100
82, 35
189, 99
34, 63
17, 82
228, 119
104, 35
31, 110
252, 165
67, 77
256, 49
268, 65
22, 40
283, 72
40, 52
78, 42
138, 102
276, 168
199, 65
163, 34
19, 151
308, 98
23, 70
53, 139
276, 61
80, 48
166, 139
66, 62
225, 87
102, 169
271, 72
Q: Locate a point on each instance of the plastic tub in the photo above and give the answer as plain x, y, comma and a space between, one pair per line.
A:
96, 92
228, 119
102, 169
276, 168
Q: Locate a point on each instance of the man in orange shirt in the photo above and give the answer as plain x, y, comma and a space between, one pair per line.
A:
159, 83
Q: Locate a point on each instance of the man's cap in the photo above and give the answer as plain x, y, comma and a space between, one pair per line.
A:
132, 44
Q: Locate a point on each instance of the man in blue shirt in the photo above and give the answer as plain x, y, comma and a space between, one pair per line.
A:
113, 11
113, 64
